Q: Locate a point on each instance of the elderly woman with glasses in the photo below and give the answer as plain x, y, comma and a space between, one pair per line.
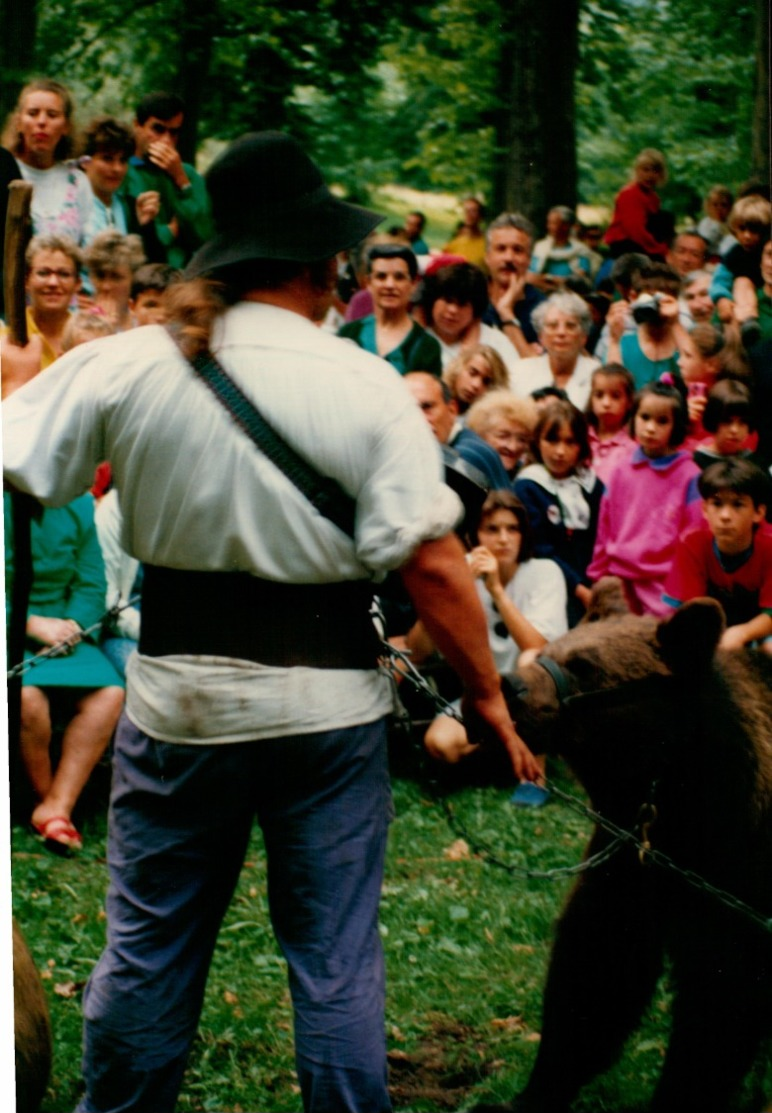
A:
562, 323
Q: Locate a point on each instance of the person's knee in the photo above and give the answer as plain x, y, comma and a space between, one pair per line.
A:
35, 712
446, 740
104, 704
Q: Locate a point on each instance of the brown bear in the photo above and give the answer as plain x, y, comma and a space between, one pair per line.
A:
650, 715
32, 1028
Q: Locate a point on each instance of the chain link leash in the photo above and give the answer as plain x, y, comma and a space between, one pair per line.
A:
63, 648
397, 661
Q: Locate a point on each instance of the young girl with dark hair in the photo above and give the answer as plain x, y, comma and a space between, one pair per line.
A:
612, 393
651, 498
562, 494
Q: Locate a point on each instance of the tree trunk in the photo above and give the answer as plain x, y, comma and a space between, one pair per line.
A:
760, 134
198, 24
535, 162
18, 26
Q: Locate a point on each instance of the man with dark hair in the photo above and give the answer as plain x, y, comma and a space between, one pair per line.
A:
509, 243
183, 220
688, 252
390, 331
256, 690
415, 223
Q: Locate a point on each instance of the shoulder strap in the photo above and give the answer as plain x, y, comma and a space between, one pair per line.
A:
324, 493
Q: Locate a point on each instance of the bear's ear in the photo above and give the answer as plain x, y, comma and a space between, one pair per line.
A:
607, 600
690, 636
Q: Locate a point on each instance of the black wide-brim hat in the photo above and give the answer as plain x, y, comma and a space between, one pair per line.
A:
270, 201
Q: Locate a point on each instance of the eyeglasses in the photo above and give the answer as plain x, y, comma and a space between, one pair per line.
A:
48, 272
568, 326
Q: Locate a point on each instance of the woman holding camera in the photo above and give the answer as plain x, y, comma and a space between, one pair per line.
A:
653, 349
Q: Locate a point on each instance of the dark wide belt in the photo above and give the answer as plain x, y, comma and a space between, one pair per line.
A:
234, 614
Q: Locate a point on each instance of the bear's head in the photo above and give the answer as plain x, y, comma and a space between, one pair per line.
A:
610, 695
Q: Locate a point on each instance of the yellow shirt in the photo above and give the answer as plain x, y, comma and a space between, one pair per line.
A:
473, 250
49, 355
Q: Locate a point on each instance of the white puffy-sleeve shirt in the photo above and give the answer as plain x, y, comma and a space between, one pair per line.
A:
197, 494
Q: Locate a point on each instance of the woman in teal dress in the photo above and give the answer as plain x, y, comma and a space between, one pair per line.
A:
80, 684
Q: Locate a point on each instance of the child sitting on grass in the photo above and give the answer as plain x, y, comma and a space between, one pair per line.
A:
729, 556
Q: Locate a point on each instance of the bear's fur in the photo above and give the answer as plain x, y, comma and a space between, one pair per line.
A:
32, 1028
657, 715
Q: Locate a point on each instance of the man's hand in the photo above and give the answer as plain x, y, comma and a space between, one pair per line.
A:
514, 292
488, 720
441, 586
148, 206
167, 158
19, 365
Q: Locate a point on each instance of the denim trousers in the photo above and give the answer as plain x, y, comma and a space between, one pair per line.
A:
179, 825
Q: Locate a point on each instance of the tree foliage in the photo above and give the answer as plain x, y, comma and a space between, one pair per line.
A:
460, 95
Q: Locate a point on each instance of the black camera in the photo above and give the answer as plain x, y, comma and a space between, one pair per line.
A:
646, 309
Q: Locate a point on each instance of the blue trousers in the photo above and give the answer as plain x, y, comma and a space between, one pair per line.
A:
179, 825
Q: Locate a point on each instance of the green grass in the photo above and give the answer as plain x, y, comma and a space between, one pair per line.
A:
466, 947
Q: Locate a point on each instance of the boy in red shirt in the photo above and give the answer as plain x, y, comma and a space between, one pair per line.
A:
729, 557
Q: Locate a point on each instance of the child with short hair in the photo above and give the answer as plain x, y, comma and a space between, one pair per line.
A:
750, 221
713, 227
700, 361
729, 556
148, 287
636, 210
612, 393
562, 496
650, 499
729, 416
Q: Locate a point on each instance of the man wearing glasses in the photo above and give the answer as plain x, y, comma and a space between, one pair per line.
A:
183, 222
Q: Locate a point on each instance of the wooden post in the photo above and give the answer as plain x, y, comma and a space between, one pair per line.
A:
17, 234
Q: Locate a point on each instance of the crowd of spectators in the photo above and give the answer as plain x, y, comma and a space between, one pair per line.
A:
584, 380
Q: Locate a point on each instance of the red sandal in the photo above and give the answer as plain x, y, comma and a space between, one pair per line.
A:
59, 836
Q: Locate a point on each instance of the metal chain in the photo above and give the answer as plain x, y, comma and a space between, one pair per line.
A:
411, 673
62, 648
621, 836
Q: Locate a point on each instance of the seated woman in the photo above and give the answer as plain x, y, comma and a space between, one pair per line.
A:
39, 135
111, 259
506, 423
472, 373
52, 279
67, 597
524, 601
563, 322
453, 301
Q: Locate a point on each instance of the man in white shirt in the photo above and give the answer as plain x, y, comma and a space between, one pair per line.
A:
255, 690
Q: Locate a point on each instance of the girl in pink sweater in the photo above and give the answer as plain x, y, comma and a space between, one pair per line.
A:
650, 499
